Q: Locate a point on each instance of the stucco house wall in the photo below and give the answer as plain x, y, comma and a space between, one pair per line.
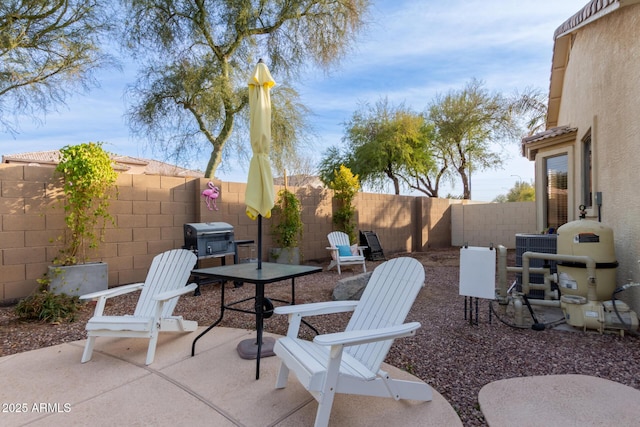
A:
595, 90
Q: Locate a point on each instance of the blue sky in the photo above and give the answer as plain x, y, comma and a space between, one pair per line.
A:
411, 52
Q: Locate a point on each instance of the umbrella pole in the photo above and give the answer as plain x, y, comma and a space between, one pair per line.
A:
259, 242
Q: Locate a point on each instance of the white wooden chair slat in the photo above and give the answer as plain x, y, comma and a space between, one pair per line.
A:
338, 238
163, 273
343, 364
119, 323
392, 295
165, 282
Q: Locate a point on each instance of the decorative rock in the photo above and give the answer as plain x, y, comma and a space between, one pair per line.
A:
350, 288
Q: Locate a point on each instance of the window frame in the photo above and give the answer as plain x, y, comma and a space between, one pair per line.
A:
541, 184
587, 172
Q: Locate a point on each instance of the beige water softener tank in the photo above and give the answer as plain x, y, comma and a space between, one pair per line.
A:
595, 240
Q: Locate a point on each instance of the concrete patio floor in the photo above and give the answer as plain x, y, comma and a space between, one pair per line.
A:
50, 387
215, 388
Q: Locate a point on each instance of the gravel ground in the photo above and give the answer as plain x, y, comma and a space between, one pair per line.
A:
451, 355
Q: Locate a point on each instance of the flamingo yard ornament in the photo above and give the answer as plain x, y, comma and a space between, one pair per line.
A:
210, 195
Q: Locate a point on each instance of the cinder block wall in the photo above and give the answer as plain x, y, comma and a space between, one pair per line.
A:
151, 210
24, 231
483, 224
434, 224
391, 217
148, 212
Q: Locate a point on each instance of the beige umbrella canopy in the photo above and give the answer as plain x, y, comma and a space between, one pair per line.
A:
259, 196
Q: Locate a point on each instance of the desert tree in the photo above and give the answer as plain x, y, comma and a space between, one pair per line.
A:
520, 192
196, 57
466, 123
382, 143
48, 50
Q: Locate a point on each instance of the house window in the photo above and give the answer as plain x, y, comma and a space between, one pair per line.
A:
557, 173
587, 183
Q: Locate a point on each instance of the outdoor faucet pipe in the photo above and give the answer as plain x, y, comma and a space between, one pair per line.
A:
548, 293
518, 307
583, 259
517, 311
546, 272
545, 302
502, 274
503, 269
537, 270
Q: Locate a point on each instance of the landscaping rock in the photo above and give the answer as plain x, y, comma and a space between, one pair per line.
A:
350, 288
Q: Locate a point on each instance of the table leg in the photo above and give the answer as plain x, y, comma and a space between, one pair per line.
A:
196, 293
193, 345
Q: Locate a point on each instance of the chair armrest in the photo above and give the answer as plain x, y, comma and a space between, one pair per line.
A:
317, 308
331, 248
164, 296
297, 312
362, 337
102, 296
113, 292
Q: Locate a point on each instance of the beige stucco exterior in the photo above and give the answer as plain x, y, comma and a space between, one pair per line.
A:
595, 89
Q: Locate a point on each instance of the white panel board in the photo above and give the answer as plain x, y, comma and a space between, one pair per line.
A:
478, 272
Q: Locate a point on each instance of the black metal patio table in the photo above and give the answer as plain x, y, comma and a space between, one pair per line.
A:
249, 273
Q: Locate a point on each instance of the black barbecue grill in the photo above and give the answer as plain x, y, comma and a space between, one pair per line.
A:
212, 240
209, 239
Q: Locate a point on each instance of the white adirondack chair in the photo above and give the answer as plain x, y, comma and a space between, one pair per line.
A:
338, 238
165, 282
349, 362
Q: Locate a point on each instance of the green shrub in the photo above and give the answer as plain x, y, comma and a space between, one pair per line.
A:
88, 178
287, 225
345, 186
49, 307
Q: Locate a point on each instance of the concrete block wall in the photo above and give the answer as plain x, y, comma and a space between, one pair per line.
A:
434, 226
148, 213
24, 231
316, 216
151, 210
391, 217
484, 224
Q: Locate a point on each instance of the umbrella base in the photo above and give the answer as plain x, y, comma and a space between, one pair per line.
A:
248, 349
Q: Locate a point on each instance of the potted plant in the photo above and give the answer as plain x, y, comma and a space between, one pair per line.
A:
286, 228
88, 181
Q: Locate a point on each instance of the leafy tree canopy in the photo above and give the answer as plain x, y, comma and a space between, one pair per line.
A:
466, 122
456, 136
47, 49
197, 56
383, 142
520, 192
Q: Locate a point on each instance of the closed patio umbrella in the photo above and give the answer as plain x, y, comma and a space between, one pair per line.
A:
259, 196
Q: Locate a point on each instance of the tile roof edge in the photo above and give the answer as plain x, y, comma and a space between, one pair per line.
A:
549, 133
592, 11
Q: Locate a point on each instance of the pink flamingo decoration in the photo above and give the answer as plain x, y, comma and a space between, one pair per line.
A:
210, 195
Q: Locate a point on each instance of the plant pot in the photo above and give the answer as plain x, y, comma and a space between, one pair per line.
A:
78, 279
285, 255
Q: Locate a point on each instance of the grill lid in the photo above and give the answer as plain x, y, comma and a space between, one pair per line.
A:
204, 228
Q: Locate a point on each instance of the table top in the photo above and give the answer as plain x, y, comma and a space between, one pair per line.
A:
248, 272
